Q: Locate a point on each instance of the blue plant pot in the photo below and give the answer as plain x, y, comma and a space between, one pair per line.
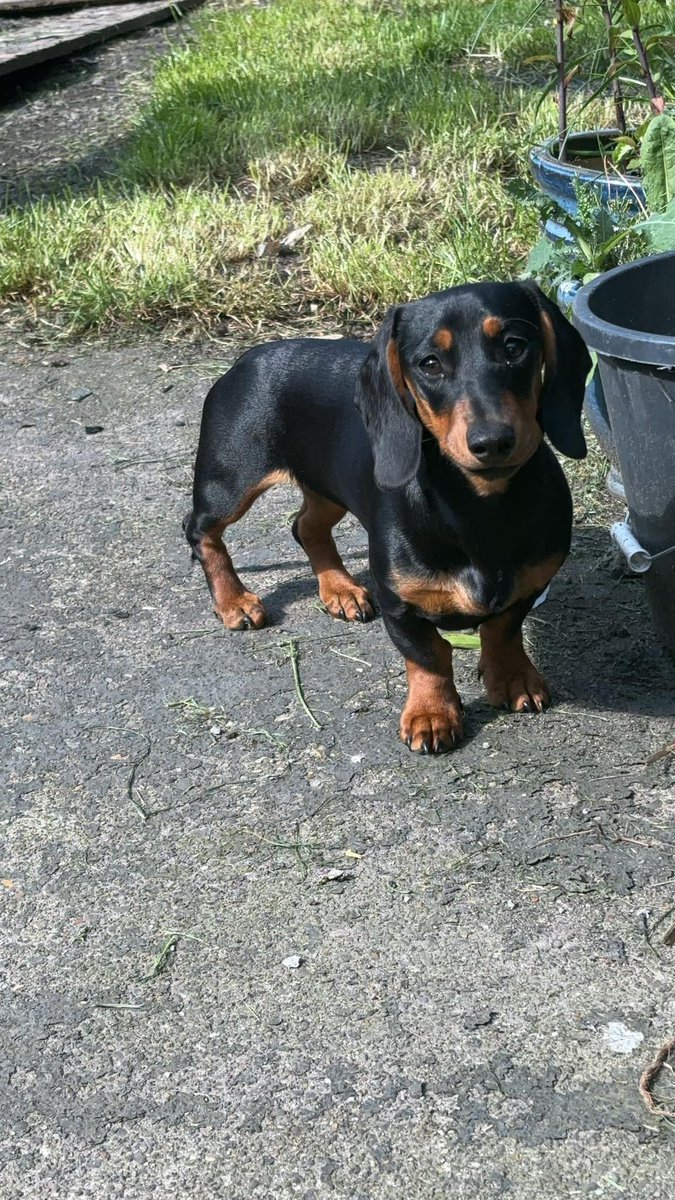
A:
558, 180
595, 404
566, 291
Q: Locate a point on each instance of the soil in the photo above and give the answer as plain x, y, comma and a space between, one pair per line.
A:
246, 956
63, 124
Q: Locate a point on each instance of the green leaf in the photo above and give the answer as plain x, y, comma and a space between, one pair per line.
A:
658, 162
463, 641
585, 248
660, 229
542, 255
631, 11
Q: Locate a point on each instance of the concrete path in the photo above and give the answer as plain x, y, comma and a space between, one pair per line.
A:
245, 957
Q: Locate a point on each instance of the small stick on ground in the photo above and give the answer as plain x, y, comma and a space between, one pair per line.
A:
648, 1077
351, 657
135, 800
162, 960
130, 1007
659, 754
669, 936
293, 652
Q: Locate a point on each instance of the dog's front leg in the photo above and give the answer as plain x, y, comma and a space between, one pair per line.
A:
511, 680
431, 722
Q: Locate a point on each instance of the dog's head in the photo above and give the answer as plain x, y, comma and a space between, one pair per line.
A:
486, 370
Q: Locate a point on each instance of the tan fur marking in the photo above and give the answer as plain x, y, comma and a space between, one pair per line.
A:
443, 339
394, 364
521, 414
268, 481
511, 680
486, 487
492, 326
236, 607
535, 577
450, 430
432, 716
341, 594
437, 595
448, 427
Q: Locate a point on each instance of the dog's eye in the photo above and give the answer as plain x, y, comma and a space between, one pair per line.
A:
431, 366
514, 348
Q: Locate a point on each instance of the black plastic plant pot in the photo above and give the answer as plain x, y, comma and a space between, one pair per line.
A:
628, 317
585, 164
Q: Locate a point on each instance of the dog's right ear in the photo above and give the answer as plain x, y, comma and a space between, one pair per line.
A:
387, 409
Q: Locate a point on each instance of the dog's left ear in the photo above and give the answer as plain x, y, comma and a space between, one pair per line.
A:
566, 365
387, 409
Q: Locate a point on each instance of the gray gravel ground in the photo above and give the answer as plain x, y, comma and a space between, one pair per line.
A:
481, 978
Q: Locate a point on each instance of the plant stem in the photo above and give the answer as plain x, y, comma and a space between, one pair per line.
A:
614, 69
293, 652
562, 85
656, 100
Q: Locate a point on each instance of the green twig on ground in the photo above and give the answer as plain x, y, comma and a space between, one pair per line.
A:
292, 647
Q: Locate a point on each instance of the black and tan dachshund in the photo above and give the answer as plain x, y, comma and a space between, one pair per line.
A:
432, 435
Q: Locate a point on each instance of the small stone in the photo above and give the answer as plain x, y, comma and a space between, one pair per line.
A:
620, 1038
59, 362
293, 961
93, 429
480, 1019
333, 875
80, 394
215, 730
167, 388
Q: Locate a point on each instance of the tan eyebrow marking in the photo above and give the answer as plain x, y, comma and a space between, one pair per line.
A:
492, 326
443, 339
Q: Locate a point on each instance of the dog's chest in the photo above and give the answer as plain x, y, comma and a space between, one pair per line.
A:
468, 595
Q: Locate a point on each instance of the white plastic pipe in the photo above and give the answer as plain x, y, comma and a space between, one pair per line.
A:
639, 560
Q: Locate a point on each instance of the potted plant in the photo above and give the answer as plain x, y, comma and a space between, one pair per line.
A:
605, 161
599, 186
610, 238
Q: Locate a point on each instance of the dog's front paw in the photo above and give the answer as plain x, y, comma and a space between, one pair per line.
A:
246, 611
515, 684
344, 598
433, 727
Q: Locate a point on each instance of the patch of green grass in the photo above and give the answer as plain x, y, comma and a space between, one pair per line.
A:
138, 254
393, 128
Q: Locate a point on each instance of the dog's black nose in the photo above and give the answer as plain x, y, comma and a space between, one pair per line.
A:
491, 441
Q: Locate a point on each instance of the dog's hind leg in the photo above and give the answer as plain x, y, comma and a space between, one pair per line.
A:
232, 602
342, 595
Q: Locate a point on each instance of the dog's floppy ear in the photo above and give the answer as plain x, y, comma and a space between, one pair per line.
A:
387, 409
566, 365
